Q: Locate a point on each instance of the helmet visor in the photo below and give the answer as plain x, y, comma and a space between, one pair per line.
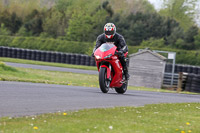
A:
109, 32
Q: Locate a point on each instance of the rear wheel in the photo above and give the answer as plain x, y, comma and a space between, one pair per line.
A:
103, 81
122, 89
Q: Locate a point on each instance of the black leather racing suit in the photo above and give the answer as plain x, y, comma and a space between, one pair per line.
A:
119, 42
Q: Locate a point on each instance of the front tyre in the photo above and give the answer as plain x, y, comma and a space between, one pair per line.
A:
122, 89
104, 83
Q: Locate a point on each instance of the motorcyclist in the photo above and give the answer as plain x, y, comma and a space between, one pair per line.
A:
110, 35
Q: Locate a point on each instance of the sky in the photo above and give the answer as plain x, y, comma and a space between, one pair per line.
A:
157, 3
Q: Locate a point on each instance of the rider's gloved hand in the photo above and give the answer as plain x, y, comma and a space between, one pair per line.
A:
92, 55
120, 53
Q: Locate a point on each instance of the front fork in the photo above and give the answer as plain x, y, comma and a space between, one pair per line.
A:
108, 68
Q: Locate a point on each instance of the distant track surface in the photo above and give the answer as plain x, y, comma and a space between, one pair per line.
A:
51, 68
21, 99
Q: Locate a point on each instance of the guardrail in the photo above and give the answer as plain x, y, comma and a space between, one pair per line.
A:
47, 56
168, 77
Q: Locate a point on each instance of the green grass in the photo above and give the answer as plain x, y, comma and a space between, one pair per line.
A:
160, 90
161, 118
51, 77
5, 68
47, 63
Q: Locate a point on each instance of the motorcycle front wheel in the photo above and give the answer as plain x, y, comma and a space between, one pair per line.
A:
122, 89
104, 83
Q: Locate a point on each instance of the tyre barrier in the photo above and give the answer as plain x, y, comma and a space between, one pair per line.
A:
4, 51
182, 68
179, 68
83, 60
93, 62
195, 70
73, 59
1, 51
168, 68
58, 57
43, 56
78, 59
68, 58
33, 55
47, 56
192, 83
87, 61
38, 55
52, 57
63, 58
28, 55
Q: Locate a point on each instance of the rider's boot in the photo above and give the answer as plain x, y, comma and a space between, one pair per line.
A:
125, 68
126, 74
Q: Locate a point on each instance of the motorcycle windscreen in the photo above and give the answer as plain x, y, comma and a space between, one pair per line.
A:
105, 47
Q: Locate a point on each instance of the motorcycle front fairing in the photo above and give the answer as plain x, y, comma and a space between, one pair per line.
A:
106, 53
103, 51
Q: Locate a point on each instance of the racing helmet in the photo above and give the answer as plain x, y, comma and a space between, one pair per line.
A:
109, 30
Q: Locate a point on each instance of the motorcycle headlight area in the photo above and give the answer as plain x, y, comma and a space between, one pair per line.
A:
108, 56
97, 57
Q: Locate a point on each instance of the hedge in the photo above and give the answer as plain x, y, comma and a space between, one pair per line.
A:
47, 44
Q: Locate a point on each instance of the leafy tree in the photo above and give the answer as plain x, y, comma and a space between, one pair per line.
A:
126, 7
33, 22
197, 41
23, 7
177, 34
11, 21
45, 35
16, 23
4, 30
108, 8
23, 32
85, 25
80, 27
63, 5
55, 23
136, 28
140, 6
180, 10
190, 33
1, 6
189, 38
152, 42
179, 44
170, 25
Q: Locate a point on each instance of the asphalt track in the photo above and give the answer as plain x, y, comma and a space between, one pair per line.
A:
21, 99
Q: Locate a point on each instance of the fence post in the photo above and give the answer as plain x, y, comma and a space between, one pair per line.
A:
180, 81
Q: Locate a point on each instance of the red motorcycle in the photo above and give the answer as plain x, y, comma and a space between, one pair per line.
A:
110, 69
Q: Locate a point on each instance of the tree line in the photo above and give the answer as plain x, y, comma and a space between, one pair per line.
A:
83, 21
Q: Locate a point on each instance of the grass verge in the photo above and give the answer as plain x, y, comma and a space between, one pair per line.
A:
50, 77
160, 90
14, 60
161, 118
